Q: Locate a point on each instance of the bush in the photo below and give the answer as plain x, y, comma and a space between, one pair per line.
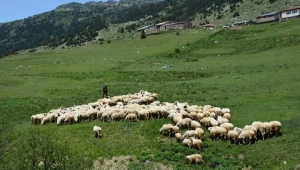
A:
177, 50
143, 35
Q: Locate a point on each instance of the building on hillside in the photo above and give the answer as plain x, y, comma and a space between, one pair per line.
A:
161, 26
209, 26
177, 25
269, 17
291, 12
147, 29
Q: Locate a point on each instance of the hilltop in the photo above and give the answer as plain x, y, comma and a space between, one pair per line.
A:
76, 24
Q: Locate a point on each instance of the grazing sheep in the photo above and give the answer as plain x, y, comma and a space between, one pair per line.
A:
194, 158
97, 131
131, 117
260, 128
190, 133
187, 142
197, 143
206, 122
233, 136
144, 113
222, 120
178, 137
276, 126
195, 124
227, 116
247, 135
268, 128
200, 133
186, 122
238, 130
173, 130
227, 126
36, 119
165, 129
213, 121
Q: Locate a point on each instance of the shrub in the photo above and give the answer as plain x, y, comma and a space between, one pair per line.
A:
177, 50
143, 35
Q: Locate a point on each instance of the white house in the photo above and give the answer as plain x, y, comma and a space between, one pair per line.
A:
292, 12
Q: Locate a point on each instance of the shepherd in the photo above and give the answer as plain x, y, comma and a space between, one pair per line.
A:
105, 91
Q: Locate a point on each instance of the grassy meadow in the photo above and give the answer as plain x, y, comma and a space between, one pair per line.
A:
253, 71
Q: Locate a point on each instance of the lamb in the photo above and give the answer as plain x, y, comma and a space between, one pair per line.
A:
187, 142
233, 136
97, 131
197, 143
276, 126
195, 124
186, 122
247, 135
131, 117
194, 158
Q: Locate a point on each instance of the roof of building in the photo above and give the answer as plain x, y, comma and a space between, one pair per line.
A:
139, 29
162, 23
295, 7
175, 23
268, 14
242, 22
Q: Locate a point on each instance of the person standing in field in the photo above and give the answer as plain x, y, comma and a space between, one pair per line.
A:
105, 91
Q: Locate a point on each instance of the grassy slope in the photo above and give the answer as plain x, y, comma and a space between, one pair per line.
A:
253, 71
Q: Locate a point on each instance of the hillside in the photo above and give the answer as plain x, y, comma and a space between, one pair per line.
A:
252, 71
76, 24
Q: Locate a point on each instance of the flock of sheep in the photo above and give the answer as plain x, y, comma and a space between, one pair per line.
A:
144, 106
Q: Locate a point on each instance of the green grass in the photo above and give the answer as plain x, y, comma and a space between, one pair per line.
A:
254, 72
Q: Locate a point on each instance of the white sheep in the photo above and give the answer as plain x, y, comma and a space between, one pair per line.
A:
260, 128
190, 133
247, 135
276, 126
197, 143
178, 137
143, 113
186, 122
194, 158
195, 124
200, 133
233, 136
227, 126
187, 142
97, 131
131, 117
165, 129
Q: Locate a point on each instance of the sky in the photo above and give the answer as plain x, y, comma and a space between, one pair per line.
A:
11, 10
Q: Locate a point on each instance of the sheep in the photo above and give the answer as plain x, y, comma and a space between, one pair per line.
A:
97, 131
222, 120
190, 133
186, 122
233, 136
47, 119
187, 142
276, 126
173, 130
227, 126
227, 116
267, 128
197, 143
206, 122
192, 115
247, 135
250, 127
70, 118
143, 113
117, 116
213, 121
35, 119
260, 128
131, 117
165, 129
195, 124
217, 131
200, 133
61, 119
178, 136
194, 158
238, 130
199, 117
